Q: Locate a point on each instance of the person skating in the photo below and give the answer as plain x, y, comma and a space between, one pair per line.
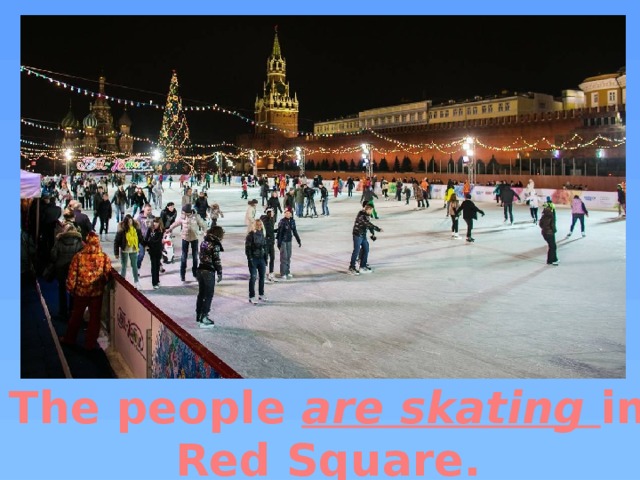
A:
507, 194
284, 236
209, 268
274, 204
104, 214
128, 241
169, 215
534, 204
469, 212
153, 242
578, 212
250, 215
548, 229
453, 208
255, 247
361, 227
269, 223
190, 224
622, 201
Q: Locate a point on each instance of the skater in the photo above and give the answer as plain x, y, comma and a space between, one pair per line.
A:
255, 247
153, 242
407, 193
399, 190
496, 192
469, 212
284, 236
274, 204
454, 204
361, 226
250, 215
367, 197
384, 185
120, 201
215, 214
507, 194
190, 223
578, 211
309, 193
548, 230
210, 266
350, 186
269, 223
89, 271
622, 201
128, 241
324, 200
534, 204
104, 214
145, 220
168, 215
549, 203
299, 197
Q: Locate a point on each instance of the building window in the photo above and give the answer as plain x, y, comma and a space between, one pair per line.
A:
490, 108
595, 99
468, 110
507, 106
446, 113
500, 108
484, 109
475, 110
613, 97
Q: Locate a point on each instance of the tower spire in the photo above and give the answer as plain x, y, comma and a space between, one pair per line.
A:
276, 45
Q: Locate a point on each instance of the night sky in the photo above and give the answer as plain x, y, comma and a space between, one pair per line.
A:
337, 65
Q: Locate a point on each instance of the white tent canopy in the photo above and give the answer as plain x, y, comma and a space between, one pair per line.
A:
29, 184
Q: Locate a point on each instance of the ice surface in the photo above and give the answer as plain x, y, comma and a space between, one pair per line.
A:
435, 307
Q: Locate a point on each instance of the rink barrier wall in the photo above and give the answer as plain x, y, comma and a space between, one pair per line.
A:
563, 196
151, 344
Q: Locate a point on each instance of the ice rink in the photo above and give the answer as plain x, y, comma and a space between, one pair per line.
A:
435, 307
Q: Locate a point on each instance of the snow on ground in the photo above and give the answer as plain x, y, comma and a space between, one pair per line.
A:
435, 307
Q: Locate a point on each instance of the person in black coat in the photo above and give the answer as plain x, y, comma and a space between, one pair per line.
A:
81, 220
507, 194
547, 225
169, 215
255, 247
153, 243
469, 212
274, 204
104, 213
269, 232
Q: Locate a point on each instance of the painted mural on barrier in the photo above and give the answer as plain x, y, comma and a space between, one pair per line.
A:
172, 358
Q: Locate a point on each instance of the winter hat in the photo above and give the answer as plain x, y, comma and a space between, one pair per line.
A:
548, 199
253, 202
187, 208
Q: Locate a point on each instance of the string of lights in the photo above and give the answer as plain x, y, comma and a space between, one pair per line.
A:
449, 148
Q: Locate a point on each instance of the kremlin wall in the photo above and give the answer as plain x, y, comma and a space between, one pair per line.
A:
579, 138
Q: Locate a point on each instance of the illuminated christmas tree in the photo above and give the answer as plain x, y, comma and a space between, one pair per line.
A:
174, 141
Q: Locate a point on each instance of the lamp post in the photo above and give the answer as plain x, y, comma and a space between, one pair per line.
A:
367, 160
300, 160
469, 147
68, 155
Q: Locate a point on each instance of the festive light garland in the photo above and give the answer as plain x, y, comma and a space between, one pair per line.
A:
448, 148
150, 103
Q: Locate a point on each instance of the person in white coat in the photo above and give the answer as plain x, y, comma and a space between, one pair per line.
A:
250, 215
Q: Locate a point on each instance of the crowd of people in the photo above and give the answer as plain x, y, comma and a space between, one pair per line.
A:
70, 240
